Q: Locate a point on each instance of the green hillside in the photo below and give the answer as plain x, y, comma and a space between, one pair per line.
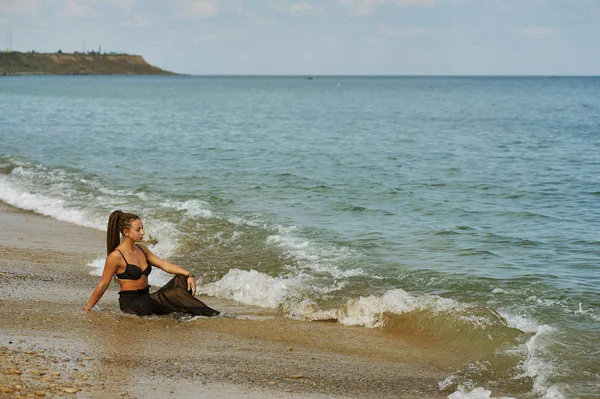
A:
17, 63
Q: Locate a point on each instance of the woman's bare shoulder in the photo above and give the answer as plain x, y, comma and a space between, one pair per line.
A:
114, 257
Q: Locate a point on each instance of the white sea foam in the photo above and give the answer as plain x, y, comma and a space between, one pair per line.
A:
290, 292
97, 266
255, 288
566, 306
536, 367
586, 312
12, 193
165, 233
158, 278
537, 364
316, 257
111, 192
252, 222
218, 238
368, 311
192, 208
477, 393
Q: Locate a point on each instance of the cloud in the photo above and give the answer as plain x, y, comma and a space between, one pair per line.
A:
193, 9
76, 9
301, 7
538, 31
410, 31
23, 7
281, 5
264, 22
217, 37
242, 10
140, 20
125, 5
91, 8
363, 7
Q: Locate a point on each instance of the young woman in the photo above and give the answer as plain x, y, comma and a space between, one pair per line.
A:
132, 263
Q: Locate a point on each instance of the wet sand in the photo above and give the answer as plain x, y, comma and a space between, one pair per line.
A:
50, 347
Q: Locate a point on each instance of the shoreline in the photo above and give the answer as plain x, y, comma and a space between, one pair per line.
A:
50, 347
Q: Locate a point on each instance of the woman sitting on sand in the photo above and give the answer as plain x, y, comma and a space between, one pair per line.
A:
134, 297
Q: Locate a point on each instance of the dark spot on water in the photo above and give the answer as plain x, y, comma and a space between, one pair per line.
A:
355, 209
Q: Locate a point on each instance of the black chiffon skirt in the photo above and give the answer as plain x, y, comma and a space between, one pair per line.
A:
172, 297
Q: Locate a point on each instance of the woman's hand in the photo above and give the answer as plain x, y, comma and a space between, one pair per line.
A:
87, 308
191, 284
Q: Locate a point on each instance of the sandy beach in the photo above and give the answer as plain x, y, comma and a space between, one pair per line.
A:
50, 347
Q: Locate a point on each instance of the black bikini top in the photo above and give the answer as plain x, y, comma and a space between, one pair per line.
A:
134, 272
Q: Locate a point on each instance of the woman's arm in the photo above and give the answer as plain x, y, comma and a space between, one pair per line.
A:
110, 268
171, 268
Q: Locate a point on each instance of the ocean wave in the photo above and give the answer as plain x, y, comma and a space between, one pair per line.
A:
476, 393
316, 257
12, 192
192, 208
83, 200
301, 295
314, 273
515, 347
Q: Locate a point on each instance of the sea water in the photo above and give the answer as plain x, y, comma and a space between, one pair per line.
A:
463, 210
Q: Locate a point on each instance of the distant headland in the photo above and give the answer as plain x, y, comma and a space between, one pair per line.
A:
90, 63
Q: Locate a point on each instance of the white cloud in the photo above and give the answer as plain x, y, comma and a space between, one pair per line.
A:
363, 7
140, 20
294, 8
264, 22
76, 9
242, 10
216, 37
92, 8
126, 5
192, 9
377, 41
538, 31
301, 7
24, 7
409, 31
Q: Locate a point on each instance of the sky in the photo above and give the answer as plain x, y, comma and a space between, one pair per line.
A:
319, 37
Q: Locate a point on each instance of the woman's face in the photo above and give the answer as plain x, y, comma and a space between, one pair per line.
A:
136, 231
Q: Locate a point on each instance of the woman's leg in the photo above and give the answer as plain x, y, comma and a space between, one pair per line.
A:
140, 302
175, 295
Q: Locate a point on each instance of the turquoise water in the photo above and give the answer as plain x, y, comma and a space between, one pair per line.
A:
462, 209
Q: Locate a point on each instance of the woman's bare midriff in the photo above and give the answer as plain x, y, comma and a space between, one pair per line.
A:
132, 285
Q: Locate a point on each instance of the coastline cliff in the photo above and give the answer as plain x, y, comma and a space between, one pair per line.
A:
32, 63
